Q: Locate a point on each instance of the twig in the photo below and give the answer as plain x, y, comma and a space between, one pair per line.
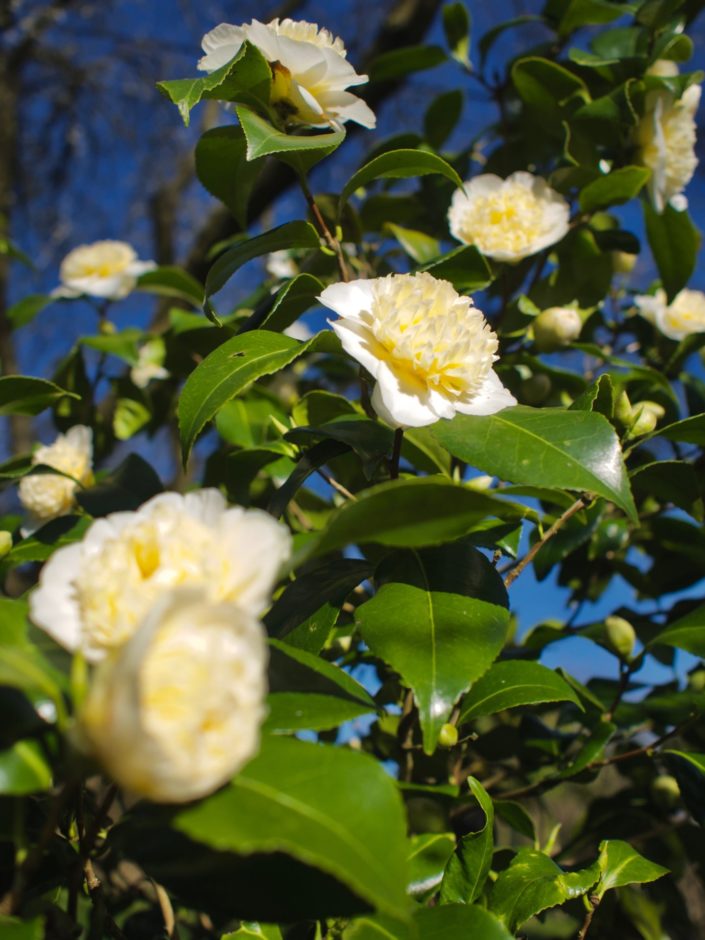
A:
325, 232
407, 715
396, 453
332, 482
579, 504
594, 902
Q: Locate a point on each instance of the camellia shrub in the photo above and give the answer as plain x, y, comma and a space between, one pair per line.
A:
288, 698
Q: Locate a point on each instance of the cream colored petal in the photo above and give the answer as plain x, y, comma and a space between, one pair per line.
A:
52, 605
220, 45
401, 402
491, 398
359, 342
348, 300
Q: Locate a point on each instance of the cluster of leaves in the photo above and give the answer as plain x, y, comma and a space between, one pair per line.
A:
446, 755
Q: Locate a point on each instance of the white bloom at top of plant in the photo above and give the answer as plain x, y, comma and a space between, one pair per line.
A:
683, 316
93, 594
666, 139
556, 327
508, 219
430, 349
149, 363
309, 70
174, 713
48, 495
106, 269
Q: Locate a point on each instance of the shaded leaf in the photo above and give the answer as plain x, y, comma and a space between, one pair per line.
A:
468, 868
398, 164
23, 395
513, 683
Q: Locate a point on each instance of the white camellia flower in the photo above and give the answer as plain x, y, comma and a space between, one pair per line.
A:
93, 594
149, 363
309, 70
430, 349
106, 269
48, 495
508, 219
683, 316
556, 327
666, 139
177, 710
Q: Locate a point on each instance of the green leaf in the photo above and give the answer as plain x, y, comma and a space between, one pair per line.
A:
123, 345
615, 188
547, 86
305, 800
456, 26
688, 431
687, 633
674, 241
300, 151
398, 164
123, 490
488, 39
295, 297
689, 771
452, 921
439, 619
427, 860
12, 928
246, 78
620, 865
395, 64
223, 168
442, 117
25, 310
174, 282
23, 395
513, 683
467, 870
289, 235
418, 246
255, 931
571, 450
466, 268
409, 513
24, 769
230, 369
534, 882
589, 13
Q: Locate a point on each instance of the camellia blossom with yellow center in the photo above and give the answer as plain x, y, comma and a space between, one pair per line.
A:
666, 138
177, 710
682, 317
93, 594
508, 219
48, 495
430, 350
106, 269
309, 70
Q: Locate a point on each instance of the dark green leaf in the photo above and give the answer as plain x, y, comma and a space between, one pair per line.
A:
300, 151
615, 188
467, 870
687, 633
25, 310
23, 395
513, 683
588, 13
442, 117
620, 864
24, 769
545, 85
456, 921
390, 66
674, 241
223, 168
172, 282
689, 771
123, 490
399, 164
428, 858
12, 928
465, 267
456, 26
291, 300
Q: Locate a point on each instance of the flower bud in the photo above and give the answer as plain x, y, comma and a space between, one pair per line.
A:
645, 417
665, 791
556, 327
5, 542
623, 409
448, 735
621, 636
696, 680
623, 262
536, 389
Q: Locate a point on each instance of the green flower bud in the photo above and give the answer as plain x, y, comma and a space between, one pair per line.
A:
696, 680
448, 736
621, 635
5, 542
536, 389
665, 791
646, 416
623, 409
556, 327
623, 262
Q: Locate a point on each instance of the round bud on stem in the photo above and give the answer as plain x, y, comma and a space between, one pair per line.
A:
448, 736
621, 636
556, 327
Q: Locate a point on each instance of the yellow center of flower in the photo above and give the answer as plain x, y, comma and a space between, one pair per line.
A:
687, 312
438, 337
302, 31
102, 259
510, 219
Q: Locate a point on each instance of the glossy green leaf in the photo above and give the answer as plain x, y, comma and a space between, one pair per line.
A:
295, 297
230, 369
300, 151
24, 769
687, 633
513, 683
588, 13
674, 241
459, 920
427, 860
439, 618
465, 267
688, 431
304, 800
223, 168
615, 188
467, 870
567, 449
420, 247
545, 85
172, 282
251, 930
409, 513
620, 864
689, 771
289, 235
399, 164
23, 395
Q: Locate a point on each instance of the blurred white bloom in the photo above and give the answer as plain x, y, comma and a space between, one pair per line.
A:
174, 713
666, 140
298, 331
149, 363
106, 269
93, 594
556, 327
683, 316
508, 219
280, 264
309, 70
430, 350
48, 495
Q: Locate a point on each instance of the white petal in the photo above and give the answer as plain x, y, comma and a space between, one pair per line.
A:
401, 403
206, 505
359, 342
492, 397
52, 605
258, 548
348, 300
220, 45
141, 267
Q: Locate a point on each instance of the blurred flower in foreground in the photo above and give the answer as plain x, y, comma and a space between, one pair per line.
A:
666, 140
556, 327
106, 269
309, 70
149, 363
430, 350
683, 316
93, 594
174, 713
508, 219
48, 495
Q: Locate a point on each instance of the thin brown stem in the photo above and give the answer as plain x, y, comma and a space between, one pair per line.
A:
407, 719
536, 548
594, 903
334, 484
396, 453
322, 226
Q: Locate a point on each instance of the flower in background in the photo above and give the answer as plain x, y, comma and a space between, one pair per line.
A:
556, 327
666, 139
149, 363
93, 594
48, 495
280, 264
508, 219
174, 713
309, 70
106, 269
429, 349
683, 316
